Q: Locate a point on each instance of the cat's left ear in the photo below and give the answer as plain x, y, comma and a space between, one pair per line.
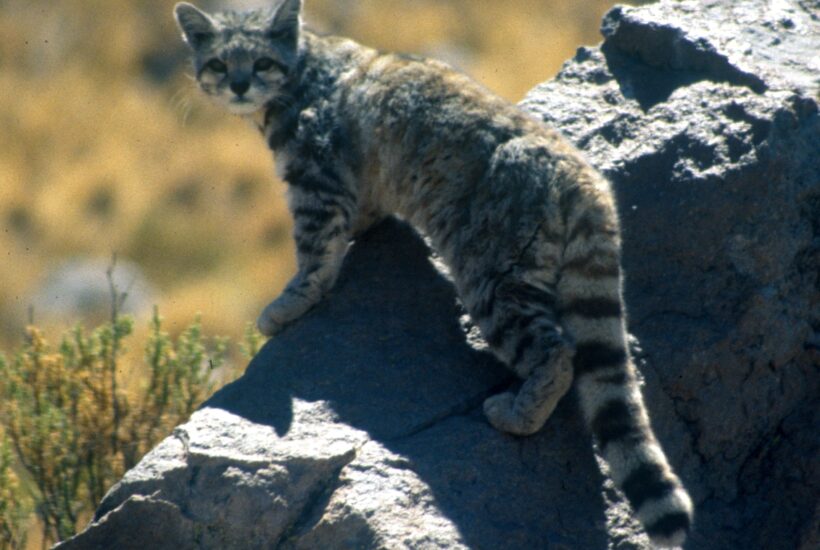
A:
284, 25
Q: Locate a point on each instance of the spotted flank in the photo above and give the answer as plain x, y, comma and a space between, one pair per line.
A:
528, 229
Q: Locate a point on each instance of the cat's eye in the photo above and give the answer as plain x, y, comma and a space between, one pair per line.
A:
217, 66
265, 64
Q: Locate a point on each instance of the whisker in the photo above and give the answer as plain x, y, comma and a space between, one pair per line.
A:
182, 104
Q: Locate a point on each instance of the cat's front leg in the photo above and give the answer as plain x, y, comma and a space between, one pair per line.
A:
322, 235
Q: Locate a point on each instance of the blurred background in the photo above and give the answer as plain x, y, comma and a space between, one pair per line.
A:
107, 147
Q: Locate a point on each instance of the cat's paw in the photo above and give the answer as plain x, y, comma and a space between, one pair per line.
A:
268, 326
500, 411
278, 314
285, 309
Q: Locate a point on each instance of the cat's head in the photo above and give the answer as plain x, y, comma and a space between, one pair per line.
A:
242, 60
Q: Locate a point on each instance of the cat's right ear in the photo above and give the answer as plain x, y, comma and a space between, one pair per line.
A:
284, 26
197, 27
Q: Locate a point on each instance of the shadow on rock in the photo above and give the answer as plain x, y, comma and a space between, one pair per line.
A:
386, 354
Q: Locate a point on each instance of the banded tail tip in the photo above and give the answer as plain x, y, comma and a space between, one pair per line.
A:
673, 535
671, 519
676, 540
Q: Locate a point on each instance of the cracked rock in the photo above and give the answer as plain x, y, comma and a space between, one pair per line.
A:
221, 482
360, 425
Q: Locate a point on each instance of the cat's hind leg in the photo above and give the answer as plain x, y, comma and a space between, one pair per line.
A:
524, 333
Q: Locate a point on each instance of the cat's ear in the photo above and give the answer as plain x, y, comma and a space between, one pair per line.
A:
196, 25
284, 25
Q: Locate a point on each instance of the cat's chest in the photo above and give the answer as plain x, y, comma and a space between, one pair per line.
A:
257, 120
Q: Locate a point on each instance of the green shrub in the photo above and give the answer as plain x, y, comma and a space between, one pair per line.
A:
13, 510
73, 428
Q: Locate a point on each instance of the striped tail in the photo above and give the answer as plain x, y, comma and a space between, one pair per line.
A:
592, 311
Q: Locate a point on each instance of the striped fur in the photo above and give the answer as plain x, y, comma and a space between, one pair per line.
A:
527, 227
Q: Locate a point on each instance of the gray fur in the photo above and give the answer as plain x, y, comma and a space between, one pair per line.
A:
527, 227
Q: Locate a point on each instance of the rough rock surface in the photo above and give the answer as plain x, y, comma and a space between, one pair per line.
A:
704, 115
360, 426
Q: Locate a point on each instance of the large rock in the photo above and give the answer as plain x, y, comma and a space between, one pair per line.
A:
704, 115
360, 426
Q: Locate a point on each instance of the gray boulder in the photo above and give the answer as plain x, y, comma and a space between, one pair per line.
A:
704, 115
79, 289
360, 425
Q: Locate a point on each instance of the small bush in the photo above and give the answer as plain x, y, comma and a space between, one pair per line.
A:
73, 428
13, 511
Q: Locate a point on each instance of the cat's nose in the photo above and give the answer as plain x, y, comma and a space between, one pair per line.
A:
240, 87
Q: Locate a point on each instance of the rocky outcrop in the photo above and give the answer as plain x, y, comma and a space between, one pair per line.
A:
704, 116
360, 426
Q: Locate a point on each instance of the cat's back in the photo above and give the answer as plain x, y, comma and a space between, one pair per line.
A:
424, 135
404, 92
409, 112
413, 105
